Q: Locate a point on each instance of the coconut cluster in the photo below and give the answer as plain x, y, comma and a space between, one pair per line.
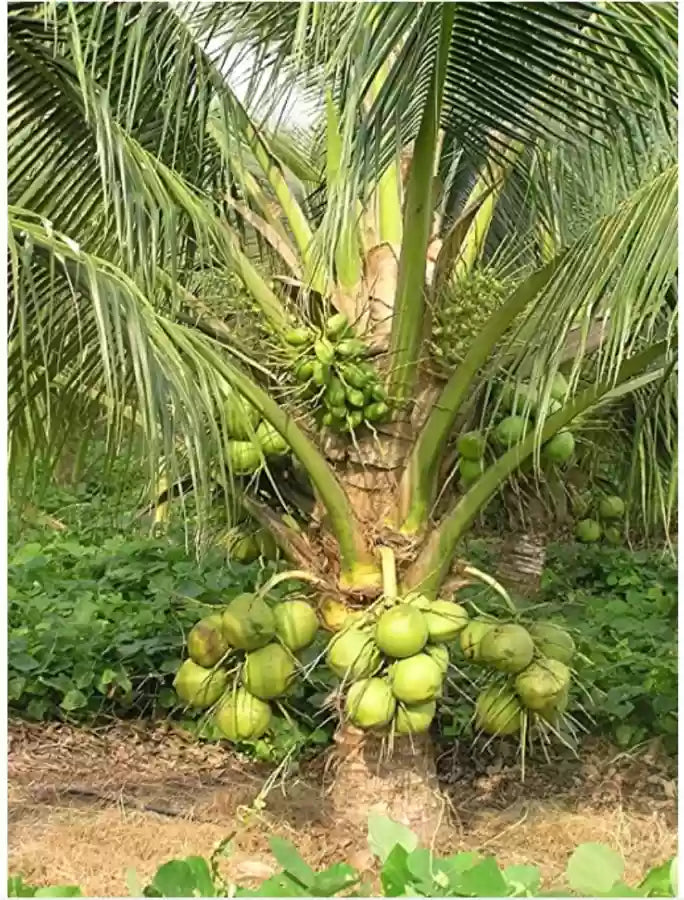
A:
535, 665
333, 371
251, 438
256, 639
393, 665
611, 509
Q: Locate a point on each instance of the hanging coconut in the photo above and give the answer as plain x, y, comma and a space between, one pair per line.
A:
552, 641
268, 671
542, 682
296, 624
242, 457
270, 440
370, 703
470, 639
414, 719
352, 654
242, 716
510, 430
560, 448
559, 387
440, 654
416, 679
401, 631
519, 399
248, 622
554, 709
268, 548
612, 508
240, 416
472, 445
445, 619
470, 470
199, 687
588, 531
612, 534
245, 550
207, 643
498, 711
507, 648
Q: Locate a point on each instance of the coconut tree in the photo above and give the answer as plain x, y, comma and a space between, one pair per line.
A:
140, 188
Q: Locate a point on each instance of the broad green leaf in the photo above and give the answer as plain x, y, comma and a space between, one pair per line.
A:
658, 881
189, 877
289, 858
395, 875
527, 878
59, 890
17, 887
334, 879
484, 880
281, 885
594, 869
74, 699
384, 835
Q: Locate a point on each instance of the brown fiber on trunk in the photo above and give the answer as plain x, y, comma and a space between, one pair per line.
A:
521, 563
402, 785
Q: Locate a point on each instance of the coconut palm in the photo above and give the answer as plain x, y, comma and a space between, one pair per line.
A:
141, 188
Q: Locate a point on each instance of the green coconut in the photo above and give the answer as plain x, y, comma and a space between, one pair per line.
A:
470, 639
612, 534
440, 654
612, 508
207, 643
199, 687
541, 682
588, 531
266, 543
401, 631
520, 398
270, 440
559, 387
470, 470
560, 448
245, 550
242, 716
445, 619
248, 622
240, 416
498, 711
420, 601
296, 624
242, 457
370, 703
472, 445
555, 708
508, 648
510, 430
268, 671
414, 719
416, 679
552, 641
353, 654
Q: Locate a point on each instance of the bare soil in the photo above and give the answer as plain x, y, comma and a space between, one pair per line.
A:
86, 805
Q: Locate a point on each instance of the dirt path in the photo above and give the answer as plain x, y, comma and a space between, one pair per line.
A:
85, 806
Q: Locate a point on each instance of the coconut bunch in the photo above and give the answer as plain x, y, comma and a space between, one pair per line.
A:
535, 665
255, 641
393, 664
332, 369
610, 509
251, 438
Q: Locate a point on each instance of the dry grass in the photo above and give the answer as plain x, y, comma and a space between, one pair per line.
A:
86, 806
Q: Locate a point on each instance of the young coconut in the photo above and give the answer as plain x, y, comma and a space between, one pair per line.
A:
416, 679
440, 654
552, 641
270, 440
296, 624
497, 711
507, 648
554, 709
612, 507
269, 671
414, 719
612, 534
245, 550
243, 457
471, 638
445, 619
370, 703
199, 687
510, 430
242, 716
588, 531
560, 448
352, 654
401, 631
248, 622
472, 445
542, 682
240, 416
470, 470
207, 643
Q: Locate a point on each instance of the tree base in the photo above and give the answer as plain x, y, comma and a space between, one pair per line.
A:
401, 784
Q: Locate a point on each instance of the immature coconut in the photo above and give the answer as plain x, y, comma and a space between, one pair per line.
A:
270, 440
240, 416
471, 445
245, 550
401, 631
588, 531
248, 622
445, 619
370, 703
559, 387
612, 508
612, 534
555, 708
242, 457
440, 654
207, 643
352, 654
498, 711
296, 624
414, 719
552, 641
508, 648
268, 671
520, 398
560, 448
242, 716
471, 639
542, 682
416, 679
470, 470
268, 548
199, 687
510, 430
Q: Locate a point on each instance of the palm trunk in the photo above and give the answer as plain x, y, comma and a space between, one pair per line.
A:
521, 563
